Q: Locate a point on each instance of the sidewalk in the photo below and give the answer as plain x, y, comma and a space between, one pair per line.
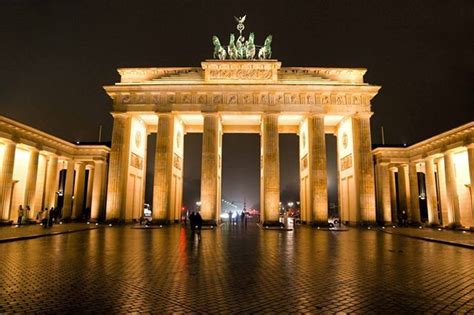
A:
456, 238
25, 232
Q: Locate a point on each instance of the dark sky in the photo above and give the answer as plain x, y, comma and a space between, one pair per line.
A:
55, 56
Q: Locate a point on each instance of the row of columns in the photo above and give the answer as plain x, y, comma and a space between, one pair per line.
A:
71, 210
439, 195
270, 168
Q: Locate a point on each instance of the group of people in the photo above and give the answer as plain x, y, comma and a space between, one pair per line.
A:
45, 217
48, 217
242, 216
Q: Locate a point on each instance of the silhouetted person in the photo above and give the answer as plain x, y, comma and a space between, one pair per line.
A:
21, 212
242, 218
198, 219
192, 221
44, 217
27, 213
51, 217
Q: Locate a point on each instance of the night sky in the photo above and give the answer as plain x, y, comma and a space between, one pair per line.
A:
55, 56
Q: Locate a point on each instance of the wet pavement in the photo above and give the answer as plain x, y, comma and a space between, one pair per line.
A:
29, 231
120, 269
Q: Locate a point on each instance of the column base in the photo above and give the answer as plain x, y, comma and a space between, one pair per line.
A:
454, 226
272, 224
6, 222
321, 224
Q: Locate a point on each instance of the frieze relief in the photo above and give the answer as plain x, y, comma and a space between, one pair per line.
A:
234, 98
240, 74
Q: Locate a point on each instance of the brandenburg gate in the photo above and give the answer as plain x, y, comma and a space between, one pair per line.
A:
241, 96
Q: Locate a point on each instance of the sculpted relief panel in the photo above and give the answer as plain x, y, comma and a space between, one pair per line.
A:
234, 98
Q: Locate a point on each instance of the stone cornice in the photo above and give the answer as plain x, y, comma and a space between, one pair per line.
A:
447, 141
21, 133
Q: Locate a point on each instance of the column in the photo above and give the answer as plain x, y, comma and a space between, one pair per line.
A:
443, 199
385, 193
364, 166
119, 152
210, 184
30, 184
6, 180
97, 202
163, 169
470, 155
318, 172
414, 214
271, 169
90, 182
78, 205
51, 182
68, 191
431, 197
393, 196
403, 192
454, 215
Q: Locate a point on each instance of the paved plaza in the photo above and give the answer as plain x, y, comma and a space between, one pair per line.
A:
234, 269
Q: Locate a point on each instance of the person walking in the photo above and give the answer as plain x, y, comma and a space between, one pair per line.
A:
44, 217
192, 222
198, 219
242, 218
21, 212
27, 213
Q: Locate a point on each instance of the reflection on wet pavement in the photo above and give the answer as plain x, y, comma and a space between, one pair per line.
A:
235, 269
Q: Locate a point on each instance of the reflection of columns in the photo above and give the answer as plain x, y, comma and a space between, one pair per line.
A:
403, 192
51, 182
68, 190
98, 187
414, 214
364, 166
6, 176
385, 198
318, 173
454, 215
117, 167
431, 198
271, 169
393, 196
30, 184
470, 156
163, 168
90, 181
210, 168
78, 205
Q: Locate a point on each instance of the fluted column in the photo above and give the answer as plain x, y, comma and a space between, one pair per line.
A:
403, 192
119, 160
470, 155
364, 166
454, 215
78, 205
163, 168
51, 181
385, 198
30, 184
210, 168
90, 182
393, 196
68, 191
431, 198
6, 177
318, 172
414, 214
271, 169
97, 202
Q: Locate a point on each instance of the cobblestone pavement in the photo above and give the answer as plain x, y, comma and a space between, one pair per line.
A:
120, 269
14, 232
464, 238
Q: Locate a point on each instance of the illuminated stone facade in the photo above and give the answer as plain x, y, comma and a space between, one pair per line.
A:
241, 97
33, 164
446, 162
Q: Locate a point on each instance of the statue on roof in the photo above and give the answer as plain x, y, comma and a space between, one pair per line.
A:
240, 48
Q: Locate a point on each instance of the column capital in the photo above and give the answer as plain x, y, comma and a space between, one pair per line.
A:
363, 114
470, 145
9, 141
317, 115
120, 114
